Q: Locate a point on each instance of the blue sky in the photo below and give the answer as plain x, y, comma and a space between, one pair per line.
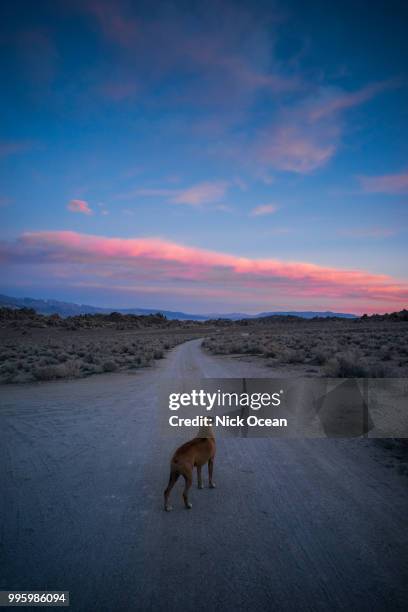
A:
246, 156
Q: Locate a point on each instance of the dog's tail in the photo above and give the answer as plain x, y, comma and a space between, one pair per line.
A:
174, 474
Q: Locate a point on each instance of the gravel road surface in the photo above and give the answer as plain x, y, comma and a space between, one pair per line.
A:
292, 525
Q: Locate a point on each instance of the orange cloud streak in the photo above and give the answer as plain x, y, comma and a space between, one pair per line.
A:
158, 262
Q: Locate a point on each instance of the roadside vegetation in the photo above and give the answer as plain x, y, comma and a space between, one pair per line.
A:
339, 349
38, 348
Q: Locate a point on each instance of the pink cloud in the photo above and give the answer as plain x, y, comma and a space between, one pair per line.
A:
336, 101
386, 183
79, 206
264, 209
196, 195
202, 193
153, 262
295, 148
305, 136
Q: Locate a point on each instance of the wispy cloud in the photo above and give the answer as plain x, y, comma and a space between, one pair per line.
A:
369, 232
207, 192
153, 262
202, 193
334, 101
305, 136
295, 148
145, 192
385, 183
116, 23
264, 209
227, 59
102, 209
12, 147
79, 206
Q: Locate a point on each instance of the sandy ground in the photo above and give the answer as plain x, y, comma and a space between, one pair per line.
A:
292, 525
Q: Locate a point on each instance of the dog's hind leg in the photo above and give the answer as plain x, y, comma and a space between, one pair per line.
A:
188, 477
172, 481
199, 480
210, 473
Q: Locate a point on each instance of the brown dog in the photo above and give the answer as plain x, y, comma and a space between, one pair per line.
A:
192, 454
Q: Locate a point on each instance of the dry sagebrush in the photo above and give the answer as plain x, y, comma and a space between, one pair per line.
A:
331, 351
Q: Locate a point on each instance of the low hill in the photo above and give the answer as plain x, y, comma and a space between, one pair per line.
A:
70, 309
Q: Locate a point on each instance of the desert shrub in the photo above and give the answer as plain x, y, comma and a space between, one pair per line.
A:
320, 357
385, 352
256, 349
69, 369
133, 365
22, 377
345, 366
218, 350
109, 366
379, 370
269, 352
297, 356
8, 368
88, 368
292, 356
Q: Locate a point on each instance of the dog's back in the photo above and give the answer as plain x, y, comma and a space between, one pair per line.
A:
196, 452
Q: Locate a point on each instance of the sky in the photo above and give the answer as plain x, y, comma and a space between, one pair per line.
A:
205, 156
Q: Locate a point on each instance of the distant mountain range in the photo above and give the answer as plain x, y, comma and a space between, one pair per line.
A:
69, 309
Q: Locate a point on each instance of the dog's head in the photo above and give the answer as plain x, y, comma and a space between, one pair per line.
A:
206, 431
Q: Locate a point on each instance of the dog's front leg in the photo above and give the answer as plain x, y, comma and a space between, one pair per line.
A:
210, 473
188, 478
199, 479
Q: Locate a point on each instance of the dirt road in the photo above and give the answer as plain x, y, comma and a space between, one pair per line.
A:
293, 524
